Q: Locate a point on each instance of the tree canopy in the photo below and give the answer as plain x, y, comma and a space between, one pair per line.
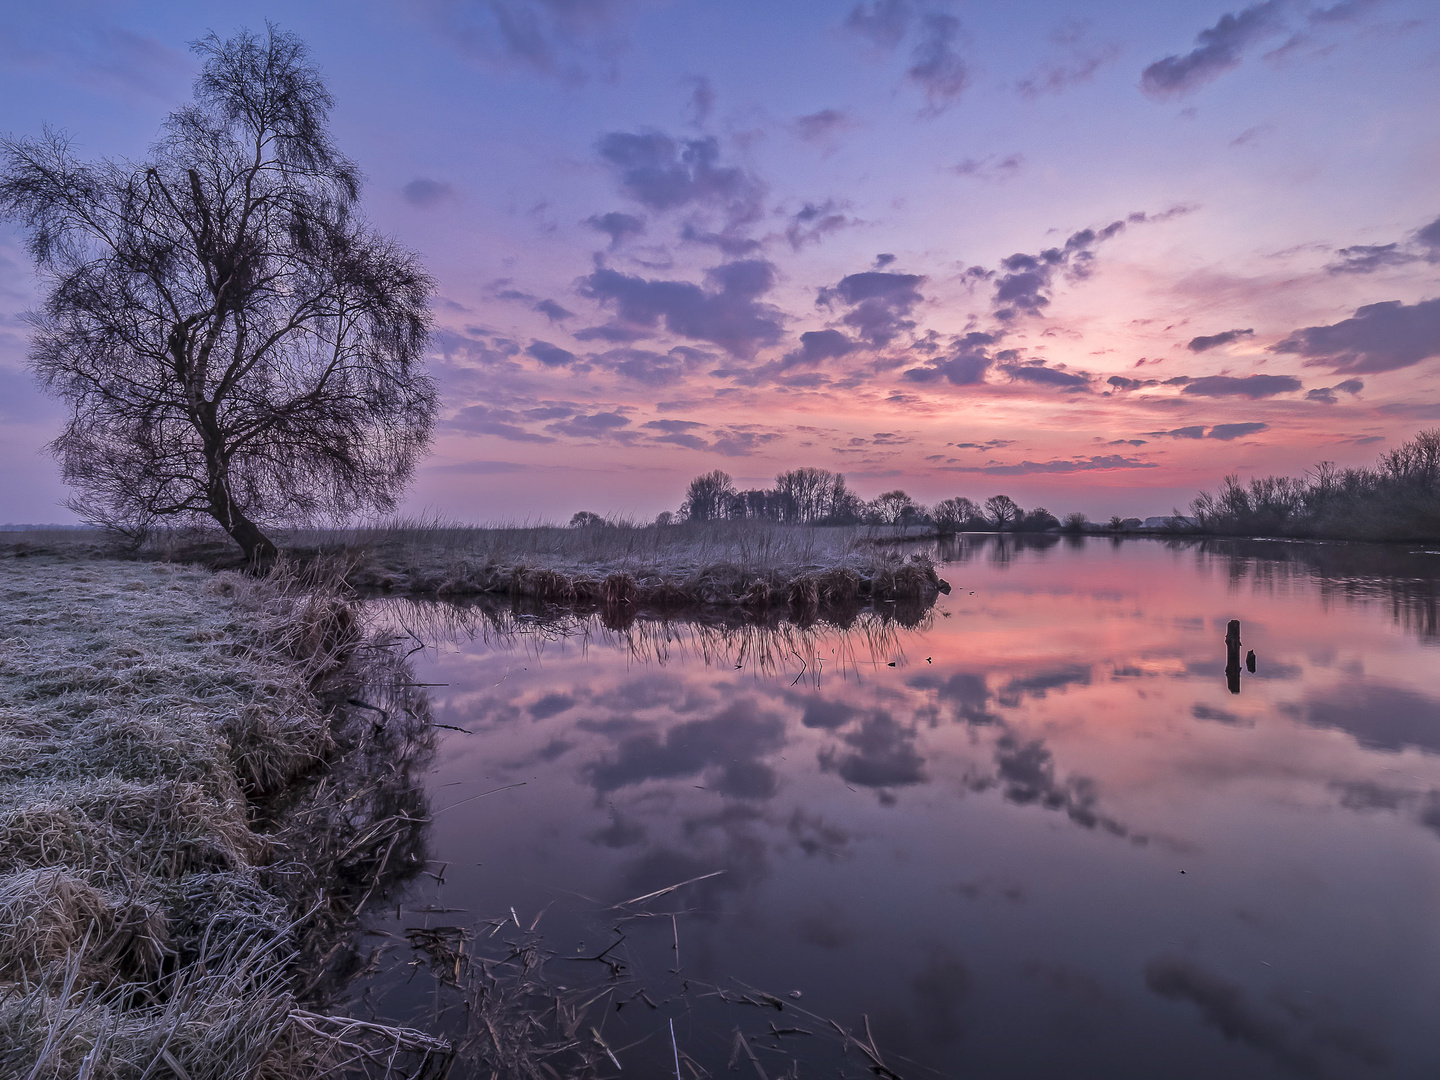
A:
232, 338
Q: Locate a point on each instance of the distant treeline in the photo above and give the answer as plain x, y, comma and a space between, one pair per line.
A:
821, 497
1398, 498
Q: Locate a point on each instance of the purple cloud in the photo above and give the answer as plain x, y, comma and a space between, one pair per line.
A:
813, 222
594, 425
1378, 337
1201, 344
729, 313
879, 303
936, 65
1036, 373
1234, 431
550, 355
425, 193
662, 173
966, 366
1218, 49
485, 420
617, 226
883, 23
1247, 386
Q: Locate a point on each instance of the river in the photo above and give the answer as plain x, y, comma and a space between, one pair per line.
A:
1035, 831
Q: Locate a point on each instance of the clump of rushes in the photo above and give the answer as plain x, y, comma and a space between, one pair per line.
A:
159, 862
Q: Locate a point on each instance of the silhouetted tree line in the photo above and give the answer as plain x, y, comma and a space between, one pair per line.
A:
820, 497
1398, 498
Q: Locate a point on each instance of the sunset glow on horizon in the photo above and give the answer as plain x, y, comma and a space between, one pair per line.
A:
1093, 256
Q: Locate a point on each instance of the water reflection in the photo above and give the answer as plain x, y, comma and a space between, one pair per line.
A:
1033, 834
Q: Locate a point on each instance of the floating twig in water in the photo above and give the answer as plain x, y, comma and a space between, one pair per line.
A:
668, 889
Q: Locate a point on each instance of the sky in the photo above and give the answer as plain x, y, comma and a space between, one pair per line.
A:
1095, 256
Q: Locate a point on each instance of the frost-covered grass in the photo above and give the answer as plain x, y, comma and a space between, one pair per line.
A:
143, 708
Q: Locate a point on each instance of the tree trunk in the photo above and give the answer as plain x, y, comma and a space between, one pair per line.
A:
258, 548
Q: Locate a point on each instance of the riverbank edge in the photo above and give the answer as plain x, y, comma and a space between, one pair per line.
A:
147, 708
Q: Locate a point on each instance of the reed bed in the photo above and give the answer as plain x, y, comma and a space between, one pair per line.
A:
748, 565
162, 729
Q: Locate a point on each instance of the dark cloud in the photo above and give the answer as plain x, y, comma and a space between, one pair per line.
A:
1040, 683
619, 833
1023, 287
1031, 468
617, 226
1037, 373
594, 425
817, 346
1026, 773
880, 303
1327, 394
1246, 386
882, 754
1378, 337
663, 173
1429, 238
484, 420
553, 311
883, 22
813, 222
1120, 382
1368, 258
735, 443
827, 714
967, 695
728, 748
1201, 711
551, 356
1200, 344
966, 365
1078, 65
728, 313
936, 65
424, 192
1195, 431
822, 126
1235, 431
990, 168
567, 39
652, 368
1368, 795
1224, 1006
1217, 49
551, 705
1377, 716
613, 332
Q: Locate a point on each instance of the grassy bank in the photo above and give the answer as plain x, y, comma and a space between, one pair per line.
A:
749, 565
188, 827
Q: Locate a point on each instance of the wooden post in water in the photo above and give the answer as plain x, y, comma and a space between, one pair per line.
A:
1232, 656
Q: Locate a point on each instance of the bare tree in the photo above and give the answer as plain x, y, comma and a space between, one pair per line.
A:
1002, 510
951, 515
893, 507
708, 497
233, 340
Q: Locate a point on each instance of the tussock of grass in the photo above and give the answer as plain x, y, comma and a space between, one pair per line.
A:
151, 910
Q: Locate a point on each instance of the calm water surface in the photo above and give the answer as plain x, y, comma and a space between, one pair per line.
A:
1035, 835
